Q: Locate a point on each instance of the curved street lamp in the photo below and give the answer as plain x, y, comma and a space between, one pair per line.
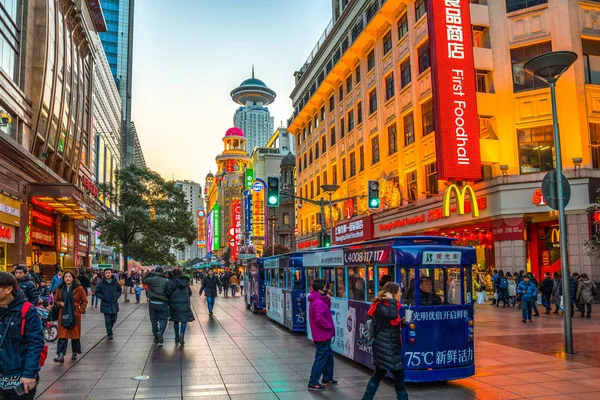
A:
549, 67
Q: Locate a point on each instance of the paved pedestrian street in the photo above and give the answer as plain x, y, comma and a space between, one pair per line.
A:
238, 355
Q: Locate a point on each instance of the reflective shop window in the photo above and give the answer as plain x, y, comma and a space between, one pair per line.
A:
536, 149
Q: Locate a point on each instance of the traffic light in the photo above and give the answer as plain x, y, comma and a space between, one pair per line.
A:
324, 239
374, 194
273, 192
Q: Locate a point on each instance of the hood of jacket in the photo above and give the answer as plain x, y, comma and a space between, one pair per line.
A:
18, 299
25, 278
181, 281
314, 295
112, 280
586, 284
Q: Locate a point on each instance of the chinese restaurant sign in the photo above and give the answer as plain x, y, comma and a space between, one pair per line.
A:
236, 228
354, 231
454, 90
210, 232
508, 229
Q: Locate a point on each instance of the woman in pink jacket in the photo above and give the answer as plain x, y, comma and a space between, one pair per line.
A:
323, 330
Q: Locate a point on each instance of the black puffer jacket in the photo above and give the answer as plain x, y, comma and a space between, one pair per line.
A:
178, 291
209, 286
387, 347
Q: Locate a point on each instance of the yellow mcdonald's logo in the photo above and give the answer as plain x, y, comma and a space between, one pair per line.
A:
555, 236
460, 200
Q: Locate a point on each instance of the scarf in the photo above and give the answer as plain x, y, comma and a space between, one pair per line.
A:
373, 307
68, 315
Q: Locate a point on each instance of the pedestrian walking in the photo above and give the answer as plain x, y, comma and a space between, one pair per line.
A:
556, 291
586, 290
26, 284
512, 289
528, 292
158, 303
71, 300
210, 282
323, 330
547, 287
108, 291
225, 283
242, 280
502, 289
179, 292
22, 342
128, 286
533, 280
93, 285
55, 281
387, 347
233, 284
138, 293
495, 284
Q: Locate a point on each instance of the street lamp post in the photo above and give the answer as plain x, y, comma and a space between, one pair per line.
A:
330, 190
548, 68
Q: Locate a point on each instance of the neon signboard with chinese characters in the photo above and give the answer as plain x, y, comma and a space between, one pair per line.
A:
216, 227
236, 229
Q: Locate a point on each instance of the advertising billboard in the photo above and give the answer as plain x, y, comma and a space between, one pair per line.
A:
210, 232
357, 230
201, 228
216, 227
235, 231
454, 90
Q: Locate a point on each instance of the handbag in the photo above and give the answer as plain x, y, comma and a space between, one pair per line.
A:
53, 313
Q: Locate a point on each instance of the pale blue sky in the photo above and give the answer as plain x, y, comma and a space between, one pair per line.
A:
188, 56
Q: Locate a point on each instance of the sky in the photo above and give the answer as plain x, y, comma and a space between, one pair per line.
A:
189, 54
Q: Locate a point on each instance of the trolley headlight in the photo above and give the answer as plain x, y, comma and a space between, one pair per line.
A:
411, 340
412, 326
471, 322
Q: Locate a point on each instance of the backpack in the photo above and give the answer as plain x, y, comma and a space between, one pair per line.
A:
26, 306
504, 283
368, 333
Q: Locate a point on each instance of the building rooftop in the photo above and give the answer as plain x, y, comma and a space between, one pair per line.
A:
254, 90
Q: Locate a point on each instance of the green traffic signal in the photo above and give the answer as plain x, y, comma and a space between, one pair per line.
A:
272, 200
373, 190
273, 192
374, 203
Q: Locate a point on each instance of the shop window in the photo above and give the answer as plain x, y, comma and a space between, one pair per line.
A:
403, 26
375, 150
371, 60
431, 179
357, 74
411, 186
420, 9
487, 127
389, 86
481, 37
409, 129
392, 139
595, 144
356, 283
516, 5
332, 136
387, 42
361, 158
332, 103
427, 116
522, 80
372, 101
536, 149
591, 61
359, 113
350, 120
352, 164
349, 84
405, 77
484, 81
344, 176
423, 53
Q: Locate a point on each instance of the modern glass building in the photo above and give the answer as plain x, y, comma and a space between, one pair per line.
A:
118, 46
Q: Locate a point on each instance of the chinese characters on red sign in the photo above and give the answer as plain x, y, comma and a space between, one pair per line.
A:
538, 198
89, 186
236, 229
353, 231
454, 90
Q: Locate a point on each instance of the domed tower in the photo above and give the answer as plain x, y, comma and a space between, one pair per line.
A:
287, 172
234, 157
253, 117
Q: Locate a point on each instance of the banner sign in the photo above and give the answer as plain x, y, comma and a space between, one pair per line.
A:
236, 222
334, 258
7, 234
210, 231
249, 178
10, 210
216, 227
258, 210
248, 214
368, 256
442, 257
454, 90
201, 228
508, 229
42, 236
353, 231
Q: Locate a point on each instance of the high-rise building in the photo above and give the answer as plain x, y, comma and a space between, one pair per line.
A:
118, 45
193, 196
253, 116
138, 154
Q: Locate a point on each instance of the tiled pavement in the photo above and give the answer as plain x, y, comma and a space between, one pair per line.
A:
238, 355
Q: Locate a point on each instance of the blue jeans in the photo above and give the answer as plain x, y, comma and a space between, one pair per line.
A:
94, 300
210, 302
233, 290
159, 313
176, 328
546, 302
323, 364
526, 309
373, 385
534, 306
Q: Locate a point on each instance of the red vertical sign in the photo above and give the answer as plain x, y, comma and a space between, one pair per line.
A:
236, 229
454, 90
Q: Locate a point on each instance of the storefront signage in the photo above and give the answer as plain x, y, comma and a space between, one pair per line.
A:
442, 257
454, 90
353, 231
42, 236
7, 234
546, 258
249, 177
42, 218
333, 258
368, 256
216, 227
236, 229
258, 211
538, 198
508, 229
83, 240
201, 229
460, 194
248, 214
210, 232
10, 210
64, 242
89, 186
308, 244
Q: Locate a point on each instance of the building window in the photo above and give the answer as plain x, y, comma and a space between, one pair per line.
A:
487, 127
331, 103
375, 150
324, 143
392, 139
361, 158
536, 149
341, 94
310, 157
318, 185
286, 218
481, 37
357, 73
359, 117
312, 190
372, 101
350, 120
431, 179
309, 127
305, 163
371, 60
515, 5
316, 150
342, 128
591, 61
324, 177
484, 81
403, 26
595, 144
409, 129
420, 9
343, 169
423, 52
349, 84
522, 80
427, 116
322, 113
411, 186
352, 164
332, 136
387, 42
334, 174
405, 73
389, 86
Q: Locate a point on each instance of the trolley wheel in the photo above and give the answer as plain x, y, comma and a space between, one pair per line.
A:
253, 309
50, 333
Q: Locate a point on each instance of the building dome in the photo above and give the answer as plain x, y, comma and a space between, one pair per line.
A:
209, 175
253, 90
253, 82
234, 132
290, 159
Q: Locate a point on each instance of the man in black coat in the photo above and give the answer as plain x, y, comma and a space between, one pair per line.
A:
547, 287
108, 291
158, 303
26, 285
209, 287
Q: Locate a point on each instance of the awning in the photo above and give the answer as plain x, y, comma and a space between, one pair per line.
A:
65, 199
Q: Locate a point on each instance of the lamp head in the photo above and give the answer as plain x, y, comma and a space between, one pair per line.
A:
550, 66
577, 160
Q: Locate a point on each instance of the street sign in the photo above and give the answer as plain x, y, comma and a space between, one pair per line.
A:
550, 192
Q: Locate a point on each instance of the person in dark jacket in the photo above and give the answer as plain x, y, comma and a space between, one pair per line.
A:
179, 292
26, 285
502, 289
428, 296
209, 286
387, 347
20, 355
322, 330
108, 291
225, 282
34, 277
585, 294
158, 306
128, 279
547, 287
528, 291
534, 280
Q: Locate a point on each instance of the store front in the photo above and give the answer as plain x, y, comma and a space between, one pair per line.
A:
10, 216
82, 249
